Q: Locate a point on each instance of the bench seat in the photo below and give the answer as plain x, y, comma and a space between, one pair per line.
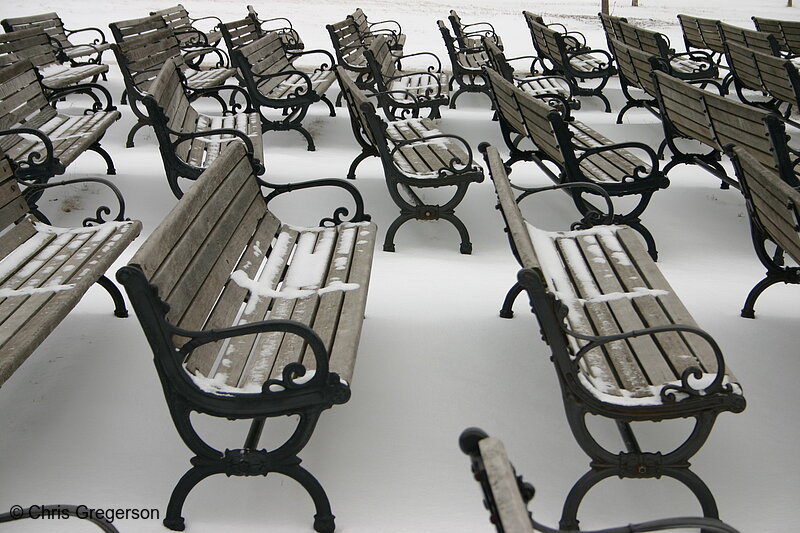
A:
46, 270
422, 159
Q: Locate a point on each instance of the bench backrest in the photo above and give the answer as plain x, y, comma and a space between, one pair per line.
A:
12, 208
32, 44
262, 57
143, 46
649, 41
634, 65
760, 41
700, 33
190, 255
381, 61
240, 32
347, 44
717, 121
497, 59
169, 108
549, 44
51, 23
778, 76
23, 104
525, 115
357, 104
518, 235
786, 32
611, 25
773, 205
175, 16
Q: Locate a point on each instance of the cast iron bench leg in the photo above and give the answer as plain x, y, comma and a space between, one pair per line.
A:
120, 311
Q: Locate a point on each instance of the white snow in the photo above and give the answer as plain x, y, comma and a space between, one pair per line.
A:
84, 420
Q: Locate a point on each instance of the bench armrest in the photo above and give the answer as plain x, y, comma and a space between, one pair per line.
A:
592, 218
438, 62
325, 66
32, 190
192, 51
35, 159
100, 40
89, 89
291, 371
455, 167
181, 137
481, 28
235, 107
339, 212
209, 17
300, 90
199, 39
637, 173
397, 28
573, 39
609, 58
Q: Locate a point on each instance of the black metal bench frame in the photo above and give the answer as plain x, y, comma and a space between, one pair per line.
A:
680, 400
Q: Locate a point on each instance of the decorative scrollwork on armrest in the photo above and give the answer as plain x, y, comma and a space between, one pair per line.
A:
339, 212
32, 189
431, 68
591, 218
639, 172
36, 163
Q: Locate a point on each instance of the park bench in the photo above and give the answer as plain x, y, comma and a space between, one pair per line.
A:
506, 495
553, 89
635, 78
46, 270
690, 65
349, 52
786, 33
189, 140
466, 64
177, 18
57, 73
773, 207
275, 84
39, 141
582, 66
367, 31
714, 121
54, 27
291, 39
774, 77
415, 156
623, 345
249, 318
580, 154
403, 93
142, 47
472, 35
702, 34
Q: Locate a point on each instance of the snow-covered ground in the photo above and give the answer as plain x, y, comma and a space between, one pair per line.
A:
84, 420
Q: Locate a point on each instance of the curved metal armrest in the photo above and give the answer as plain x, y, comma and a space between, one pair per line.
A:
209, 17
695, 55
398, 29
86, 88
184, 136
201, 38
589, 151
604, 218
193, 51
336, 219
275, 19
609, 58
291, 371
283, 73
452, 166
212, 91
472, 25
406, 95
102, 39
668, 392
327, 54
32, 188
35, 159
